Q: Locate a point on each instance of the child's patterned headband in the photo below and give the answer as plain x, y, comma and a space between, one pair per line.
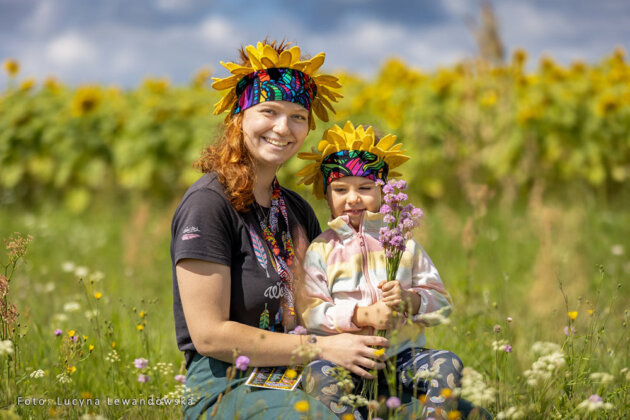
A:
350, 152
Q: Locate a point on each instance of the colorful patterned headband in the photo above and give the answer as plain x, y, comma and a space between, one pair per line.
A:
275, 84
350, 152
352, 163
265, 57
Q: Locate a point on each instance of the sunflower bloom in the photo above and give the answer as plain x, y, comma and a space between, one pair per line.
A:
12, 67
86, 100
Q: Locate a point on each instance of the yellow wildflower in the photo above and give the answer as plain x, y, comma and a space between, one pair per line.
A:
91, 347
379, 352
86, 395
12, 67
71, 369
140, 327
71, 333
142, 314
591, 312
98, 295
301, 406
572, 315
85, 338
290, 373
446, 392
454, 415
113, 344
488, 99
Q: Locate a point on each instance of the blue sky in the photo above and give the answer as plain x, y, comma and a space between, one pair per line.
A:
122, 41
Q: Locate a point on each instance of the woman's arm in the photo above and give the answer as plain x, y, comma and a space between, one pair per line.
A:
204, 288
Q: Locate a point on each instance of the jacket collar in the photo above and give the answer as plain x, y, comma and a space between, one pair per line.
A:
370, 223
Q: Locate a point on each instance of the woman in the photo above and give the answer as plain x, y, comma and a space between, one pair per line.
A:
237, 236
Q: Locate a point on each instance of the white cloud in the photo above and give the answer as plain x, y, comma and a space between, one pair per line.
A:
216, 29
69, 50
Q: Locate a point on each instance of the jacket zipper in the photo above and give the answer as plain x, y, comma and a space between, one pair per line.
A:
373, 293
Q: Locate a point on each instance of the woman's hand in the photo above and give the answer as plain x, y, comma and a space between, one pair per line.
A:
353, 352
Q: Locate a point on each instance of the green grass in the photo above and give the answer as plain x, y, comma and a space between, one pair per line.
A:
507, 262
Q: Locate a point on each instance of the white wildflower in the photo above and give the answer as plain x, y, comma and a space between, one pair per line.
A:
97, 276
60, 318
543, 368
625, 372
512, 413
177, 393
163, 368
499, 345
63, 378
475, 389
543, 348
602, 377
71, 307
353, 400
594, 402
112, 357
92, 313
617, 250
37, 374
6, 347
81, 272
68, 266
425, 374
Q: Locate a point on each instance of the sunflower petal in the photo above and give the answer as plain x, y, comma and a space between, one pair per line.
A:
227, 83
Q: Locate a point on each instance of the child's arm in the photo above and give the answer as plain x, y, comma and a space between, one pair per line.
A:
427, 285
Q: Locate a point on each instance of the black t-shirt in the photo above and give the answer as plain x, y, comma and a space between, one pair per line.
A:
206, 227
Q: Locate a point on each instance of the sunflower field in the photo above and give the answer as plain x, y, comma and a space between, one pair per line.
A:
523, 172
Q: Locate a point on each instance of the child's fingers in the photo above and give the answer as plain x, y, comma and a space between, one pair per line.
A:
381, 284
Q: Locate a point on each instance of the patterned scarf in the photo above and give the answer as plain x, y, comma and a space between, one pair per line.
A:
277, 236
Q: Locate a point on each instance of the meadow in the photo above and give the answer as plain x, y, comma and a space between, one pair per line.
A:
523, 178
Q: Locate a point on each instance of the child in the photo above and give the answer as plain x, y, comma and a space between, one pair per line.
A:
344, 286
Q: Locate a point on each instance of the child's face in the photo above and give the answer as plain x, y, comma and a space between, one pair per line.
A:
352, 195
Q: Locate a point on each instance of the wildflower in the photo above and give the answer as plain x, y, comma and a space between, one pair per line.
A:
142, 314
299, 330
591, 312
36, 374
301, 406
509, 319
91, 347
379, 352
74, 338
373, 405
446, 392
242, 362
12, 67
572, 315
68, 266
497, 329
71, 307
140, 327
454, 415
180, 378
86, 395
113, 344
143, 378
27, 84
92, 313
71, 333
602, 377
98, 295
290, 373
435, 317
112, 357
512, 413
543, 348
475, 389
58, 332
97, 276
81, 271
499, 345
141, 363
594, 402
617, 250
543, 368
569, 331
348, 416
393, 403
507, 348
71, 369
63, 378
60, 318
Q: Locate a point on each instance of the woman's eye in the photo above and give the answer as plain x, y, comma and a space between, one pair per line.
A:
299, 117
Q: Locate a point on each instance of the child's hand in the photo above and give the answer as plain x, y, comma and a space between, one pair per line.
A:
382, 316
392, 293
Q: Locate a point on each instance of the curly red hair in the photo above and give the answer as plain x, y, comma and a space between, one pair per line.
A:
229, 157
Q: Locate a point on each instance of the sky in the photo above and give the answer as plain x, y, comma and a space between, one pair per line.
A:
122, 41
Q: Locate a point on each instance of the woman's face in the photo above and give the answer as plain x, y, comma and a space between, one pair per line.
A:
274, 131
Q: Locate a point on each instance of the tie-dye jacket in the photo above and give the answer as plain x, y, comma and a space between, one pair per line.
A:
342, 270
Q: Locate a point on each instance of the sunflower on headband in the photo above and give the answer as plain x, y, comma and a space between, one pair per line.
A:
273, 77
350, 151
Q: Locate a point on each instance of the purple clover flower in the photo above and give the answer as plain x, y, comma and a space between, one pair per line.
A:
299, 330
401, 184
58, 332
141, 363
507, 348
568, 331
388, 188
74, 338
388, 218
393, 403
595, 398
400, 197
143, 378
181, 379
242, 362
